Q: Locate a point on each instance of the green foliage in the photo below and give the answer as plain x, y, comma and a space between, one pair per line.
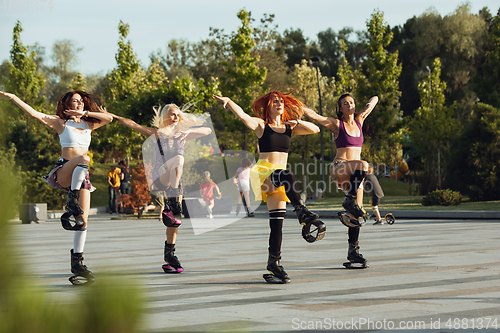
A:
432, 130
487, 81
242, 78
379, 75
473, 168
24, 81
442, 198
107, 306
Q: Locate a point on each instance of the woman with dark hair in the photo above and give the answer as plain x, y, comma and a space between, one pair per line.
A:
78, 114
348, 170
277, 119
242, 180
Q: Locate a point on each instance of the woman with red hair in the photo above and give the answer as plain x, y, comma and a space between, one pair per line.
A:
277, 119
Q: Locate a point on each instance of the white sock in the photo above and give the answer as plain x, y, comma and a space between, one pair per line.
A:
79, 240
78, 177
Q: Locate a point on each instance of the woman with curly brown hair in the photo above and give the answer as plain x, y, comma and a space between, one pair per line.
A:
78, 114
277, 119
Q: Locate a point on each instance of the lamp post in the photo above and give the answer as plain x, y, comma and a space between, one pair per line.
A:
315, 61
437, 144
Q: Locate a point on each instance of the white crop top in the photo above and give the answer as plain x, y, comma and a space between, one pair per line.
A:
75, 134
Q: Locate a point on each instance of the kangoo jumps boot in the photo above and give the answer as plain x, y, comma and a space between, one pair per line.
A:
72, 205
304, 215
353, 254
172, 264
79, 270
351, 206
277, 273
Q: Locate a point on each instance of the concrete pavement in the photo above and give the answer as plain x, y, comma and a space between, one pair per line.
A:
424, 273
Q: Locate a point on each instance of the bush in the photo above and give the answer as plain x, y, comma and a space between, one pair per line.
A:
442, 198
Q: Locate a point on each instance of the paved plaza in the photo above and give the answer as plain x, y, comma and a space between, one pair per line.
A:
424, 274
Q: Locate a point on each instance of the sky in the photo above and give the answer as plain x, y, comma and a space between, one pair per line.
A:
93, 24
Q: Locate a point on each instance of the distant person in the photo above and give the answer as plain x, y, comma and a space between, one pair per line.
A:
372, 184
114, 181
78, 113
207, 188
125, 178
348, 170
242, 180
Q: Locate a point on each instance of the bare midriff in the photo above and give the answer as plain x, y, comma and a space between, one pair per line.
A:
72, 152
348, 153
274, 157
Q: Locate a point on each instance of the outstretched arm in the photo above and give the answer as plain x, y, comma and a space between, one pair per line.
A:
329, 122
104, 116
368, 109
147, 131
302, 127
52, 121
198, 132
250, 122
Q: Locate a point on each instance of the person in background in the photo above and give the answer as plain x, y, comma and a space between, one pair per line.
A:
207, 188
242, 180
125, 178
114, 179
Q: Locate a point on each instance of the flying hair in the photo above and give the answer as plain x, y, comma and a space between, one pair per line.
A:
293, 107
186, 120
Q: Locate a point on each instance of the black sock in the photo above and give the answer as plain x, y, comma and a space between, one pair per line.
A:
276, 218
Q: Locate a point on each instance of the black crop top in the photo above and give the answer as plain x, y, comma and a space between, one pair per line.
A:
272, 141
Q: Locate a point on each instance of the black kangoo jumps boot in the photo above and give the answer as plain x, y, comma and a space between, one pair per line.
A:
353, 254
72, 205
304, 215
351, 206
79, 270
172, 264
277, 273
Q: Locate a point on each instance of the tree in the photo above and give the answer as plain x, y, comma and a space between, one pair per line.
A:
465, 35
305, 79
473, 168
294, 45
61, 74
379, 75
140, 196
242, 78
24, 81
432, 130
487, 82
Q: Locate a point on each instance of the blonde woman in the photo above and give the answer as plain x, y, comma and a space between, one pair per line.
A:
172, 127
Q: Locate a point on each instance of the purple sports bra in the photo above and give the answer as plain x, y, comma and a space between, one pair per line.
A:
345, 140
